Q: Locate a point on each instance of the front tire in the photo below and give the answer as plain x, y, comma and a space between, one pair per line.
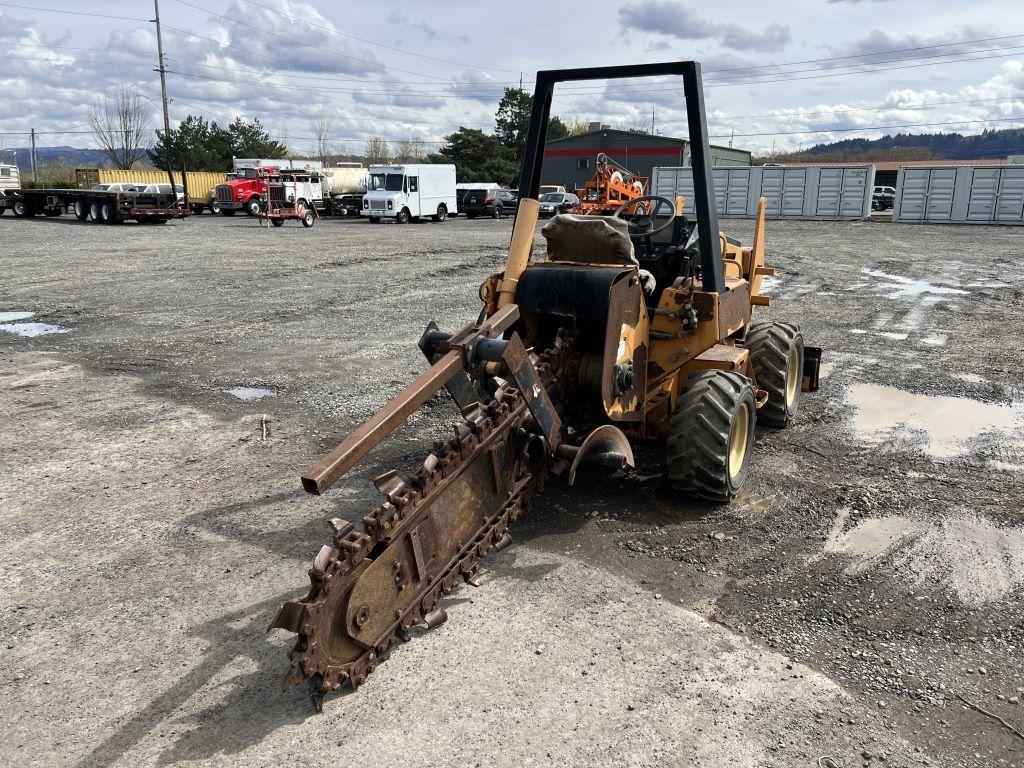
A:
403, 216
215, 206
777, 357
711, 435
253, 207
308, 219
22, 210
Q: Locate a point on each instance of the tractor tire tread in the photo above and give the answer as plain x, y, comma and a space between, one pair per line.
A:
770, 345
699, 432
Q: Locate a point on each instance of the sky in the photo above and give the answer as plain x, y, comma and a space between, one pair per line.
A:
777, 76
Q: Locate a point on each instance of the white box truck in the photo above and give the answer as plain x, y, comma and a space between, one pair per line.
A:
407, 192
9, 179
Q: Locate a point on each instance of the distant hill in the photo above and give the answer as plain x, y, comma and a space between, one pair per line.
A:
78, 158
913, 146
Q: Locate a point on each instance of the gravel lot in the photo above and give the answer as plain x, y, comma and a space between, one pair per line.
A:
852, 604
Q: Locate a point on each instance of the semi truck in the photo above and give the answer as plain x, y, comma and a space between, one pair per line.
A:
408, 192
245, 189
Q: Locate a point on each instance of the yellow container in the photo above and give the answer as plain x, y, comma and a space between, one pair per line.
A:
200, 183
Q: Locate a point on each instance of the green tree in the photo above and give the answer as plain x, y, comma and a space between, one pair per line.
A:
191, 145
512, 122
478, 156
253, 140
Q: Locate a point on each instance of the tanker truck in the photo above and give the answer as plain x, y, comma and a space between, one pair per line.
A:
344, 186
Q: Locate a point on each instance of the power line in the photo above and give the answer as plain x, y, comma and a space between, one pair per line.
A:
371, 42
373, 64
72, 13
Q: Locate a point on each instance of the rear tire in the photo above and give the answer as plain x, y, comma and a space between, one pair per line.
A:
81, 210
108, 213
777, 357
442, 213
497, 212
711, 435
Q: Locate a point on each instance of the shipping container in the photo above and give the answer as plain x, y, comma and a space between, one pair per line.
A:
793, 193
960, 194
200, 183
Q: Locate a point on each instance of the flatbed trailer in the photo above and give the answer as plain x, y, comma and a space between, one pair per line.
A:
95, 205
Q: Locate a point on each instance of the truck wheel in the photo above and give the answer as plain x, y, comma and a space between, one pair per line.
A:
22, 210
277, 222
108, 213
94, 211
777, 357
308, 219
442, 213
81, 210
711, 435
253, 207
403, 216
374, 219
214, 206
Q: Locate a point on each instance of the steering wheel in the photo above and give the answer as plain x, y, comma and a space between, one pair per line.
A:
643, 226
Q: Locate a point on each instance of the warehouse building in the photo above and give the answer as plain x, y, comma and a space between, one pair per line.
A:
571, 161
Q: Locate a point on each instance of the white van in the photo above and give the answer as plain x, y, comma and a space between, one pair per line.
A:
406, 192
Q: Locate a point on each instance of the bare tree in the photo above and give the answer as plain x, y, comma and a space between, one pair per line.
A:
120, 124
377, 151
410, 150
321, 129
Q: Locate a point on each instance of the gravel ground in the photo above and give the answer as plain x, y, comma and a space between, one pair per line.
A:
848, 605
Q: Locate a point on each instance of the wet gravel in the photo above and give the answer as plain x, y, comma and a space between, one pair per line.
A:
327, 318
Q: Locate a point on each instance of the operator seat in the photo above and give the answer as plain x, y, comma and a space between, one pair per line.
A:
593, 240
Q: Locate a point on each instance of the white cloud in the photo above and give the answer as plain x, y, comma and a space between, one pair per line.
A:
674, 18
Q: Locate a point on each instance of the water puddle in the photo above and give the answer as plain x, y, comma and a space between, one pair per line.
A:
899, 287
945, 425
250, 393
980, 561
31, 330
10, 317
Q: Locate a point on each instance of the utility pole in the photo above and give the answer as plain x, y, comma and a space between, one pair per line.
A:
163, 95
652, 120
162, 69
731, 137
35, 174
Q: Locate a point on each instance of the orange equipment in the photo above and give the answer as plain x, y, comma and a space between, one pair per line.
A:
612, 185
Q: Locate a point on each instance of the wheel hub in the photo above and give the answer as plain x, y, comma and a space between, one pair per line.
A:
738, 436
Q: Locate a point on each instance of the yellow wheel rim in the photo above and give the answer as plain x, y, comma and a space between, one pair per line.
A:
793, 376
738, 437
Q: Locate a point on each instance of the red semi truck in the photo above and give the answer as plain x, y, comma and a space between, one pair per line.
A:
246, 186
